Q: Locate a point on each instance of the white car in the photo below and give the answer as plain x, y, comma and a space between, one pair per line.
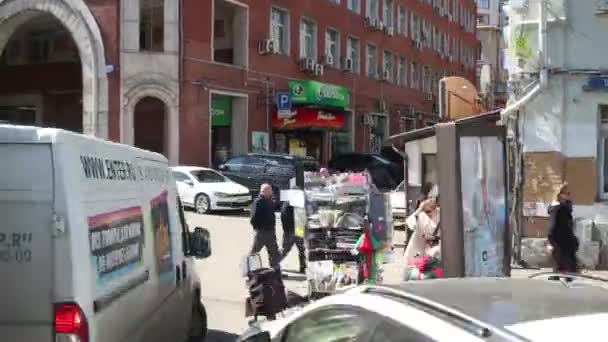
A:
207, 190
449, 310
398, 202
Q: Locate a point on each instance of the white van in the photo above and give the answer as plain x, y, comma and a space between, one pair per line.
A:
93, 243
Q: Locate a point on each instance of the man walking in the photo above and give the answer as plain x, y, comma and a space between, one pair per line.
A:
289, 235
263, 222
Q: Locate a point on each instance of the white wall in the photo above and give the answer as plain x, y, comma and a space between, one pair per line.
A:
414, 151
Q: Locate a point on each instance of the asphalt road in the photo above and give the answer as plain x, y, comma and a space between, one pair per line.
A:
223, 288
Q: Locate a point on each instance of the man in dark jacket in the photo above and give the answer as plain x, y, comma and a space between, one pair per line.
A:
564, 242
289, 235
263, 223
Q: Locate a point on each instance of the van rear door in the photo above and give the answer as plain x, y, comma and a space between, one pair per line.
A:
26, 263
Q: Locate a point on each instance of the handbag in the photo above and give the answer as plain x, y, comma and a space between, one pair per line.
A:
435, 238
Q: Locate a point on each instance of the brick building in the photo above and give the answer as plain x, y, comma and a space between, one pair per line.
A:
196, 79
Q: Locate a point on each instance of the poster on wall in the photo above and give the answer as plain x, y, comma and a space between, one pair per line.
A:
159, 211
259, 142
116, 242
483, 205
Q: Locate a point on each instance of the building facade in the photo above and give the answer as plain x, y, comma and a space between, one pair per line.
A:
557, 117
492, 84
197, 80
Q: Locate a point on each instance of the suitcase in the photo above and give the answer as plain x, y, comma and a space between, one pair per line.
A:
266, 293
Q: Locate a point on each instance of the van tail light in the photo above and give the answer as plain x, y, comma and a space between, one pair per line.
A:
70, 323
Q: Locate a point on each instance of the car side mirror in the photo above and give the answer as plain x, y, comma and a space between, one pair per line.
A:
200, 243
262, 336
223, 167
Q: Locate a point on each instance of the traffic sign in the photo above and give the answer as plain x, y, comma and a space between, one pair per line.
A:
283, 105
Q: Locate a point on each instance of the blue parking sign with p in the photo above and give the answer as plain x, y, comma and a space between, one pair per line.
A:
283, 101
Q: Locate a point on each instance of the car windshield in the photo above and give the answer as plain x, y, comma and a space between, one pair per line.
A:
208, 176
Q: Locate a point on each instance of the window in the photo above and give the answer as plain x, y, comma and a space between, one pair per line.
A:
426, 34
280, 30
371, 9
335, 2
353, 52
603, 152
426, 79
415, 75
331, 324
308, 39
402, 21
180, 177
354, 5
485, 4
429, 168
402, 71
415, 27
208, 176
388, 330
483, 19
387, 70
332, 46
151, 25
388, 15
372, 61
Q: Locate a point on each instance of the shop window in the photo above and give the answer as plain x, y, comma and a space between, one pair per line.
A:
402, 21
371, 9
387, 69
353, 51
354, 5
151, 25
308, 39
388, 13
332, 46
372, 61
603, 152
280, 30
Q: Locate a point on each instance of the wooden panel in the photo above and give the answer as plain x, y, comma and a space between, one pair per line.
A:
543, 174
581, 175
536, 227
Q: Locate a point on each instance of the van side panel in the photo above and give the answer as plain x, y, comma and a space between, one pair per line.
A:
26, 242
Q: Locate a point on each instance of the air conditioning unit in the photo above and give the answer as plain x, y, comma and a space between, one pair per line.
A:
327, 60
267, 47
307, 64
389, 30
347, 64
386, 75
319, 70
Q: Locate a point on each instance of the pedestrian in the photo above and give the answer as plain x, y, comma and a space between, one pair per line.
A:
425, 191
562, 241
263, 222
289, 235
424, 222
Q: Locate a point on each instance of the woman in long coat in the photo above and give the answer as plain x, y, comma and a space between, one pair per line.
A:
563, 242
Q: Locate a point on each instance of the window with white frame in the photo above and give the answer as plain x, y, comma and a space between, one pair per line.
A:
415, 29
485, 4
602, 157
280, 30
354, 5
387, 69
426, 34
332, 46
353, 51
415, 83
388, 15
308, 39
372, 61
371, 9
402, 21
402, 72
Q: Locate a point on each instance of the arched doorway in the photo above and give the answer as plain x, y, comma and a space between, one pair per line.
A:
52, 51
42, 62
150, 125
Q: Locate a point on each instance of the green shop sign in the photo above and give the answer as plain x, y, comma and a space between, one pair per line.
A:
221, 110
317, 93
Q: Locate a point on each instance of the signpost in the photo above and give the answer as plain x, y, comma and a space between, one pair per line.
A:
283, 105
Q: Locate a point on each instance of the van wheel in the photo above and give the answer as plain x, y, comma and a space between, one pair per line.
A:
202, 204
198, 322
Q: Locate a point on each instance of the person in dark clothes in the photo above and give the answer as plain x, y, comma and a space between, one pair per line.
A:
263, 223
289, 235
563, 242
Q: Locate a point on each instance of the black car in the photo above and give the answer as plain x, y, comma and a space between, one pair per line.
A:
254, 169
385, 173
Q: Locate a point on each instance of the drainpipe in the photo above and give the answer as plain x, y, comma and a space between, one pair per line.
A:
542, 44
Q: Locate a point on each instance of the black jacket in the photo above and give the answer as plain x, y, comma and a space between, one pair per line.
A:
287, 218
262, 214
561, 227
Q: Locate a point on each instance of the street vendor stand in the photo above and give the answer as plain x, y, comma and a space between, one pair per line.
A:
471, 175
347, 229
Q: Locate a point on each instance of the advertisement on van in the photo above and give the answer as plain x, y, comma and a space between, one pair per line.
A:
161, 228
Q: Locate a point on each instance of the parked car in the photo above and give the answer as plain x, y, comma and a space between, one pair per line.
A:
448, 310
94, 245
207, 190
385, 174
254, 169
398, 202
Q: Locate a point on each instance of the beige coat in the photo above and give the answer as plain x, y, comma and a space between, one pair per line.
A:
422, 225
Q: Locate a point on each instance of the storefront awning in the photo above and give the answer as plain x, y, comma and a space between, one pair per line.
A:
303, 117
429, 131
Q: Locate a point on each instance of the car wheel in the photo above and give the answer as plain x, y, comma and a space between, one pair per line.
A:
198, 322
202, 204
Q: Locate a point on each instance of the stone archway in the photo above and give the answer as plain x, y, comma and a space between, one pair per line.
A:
158, 91
78, 20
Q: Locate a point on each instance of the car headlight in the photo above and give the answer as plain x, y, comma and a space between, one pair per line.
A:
220, 194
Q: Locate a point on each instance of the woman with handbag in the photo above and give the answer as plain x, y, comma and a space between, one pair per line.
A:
425, 223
